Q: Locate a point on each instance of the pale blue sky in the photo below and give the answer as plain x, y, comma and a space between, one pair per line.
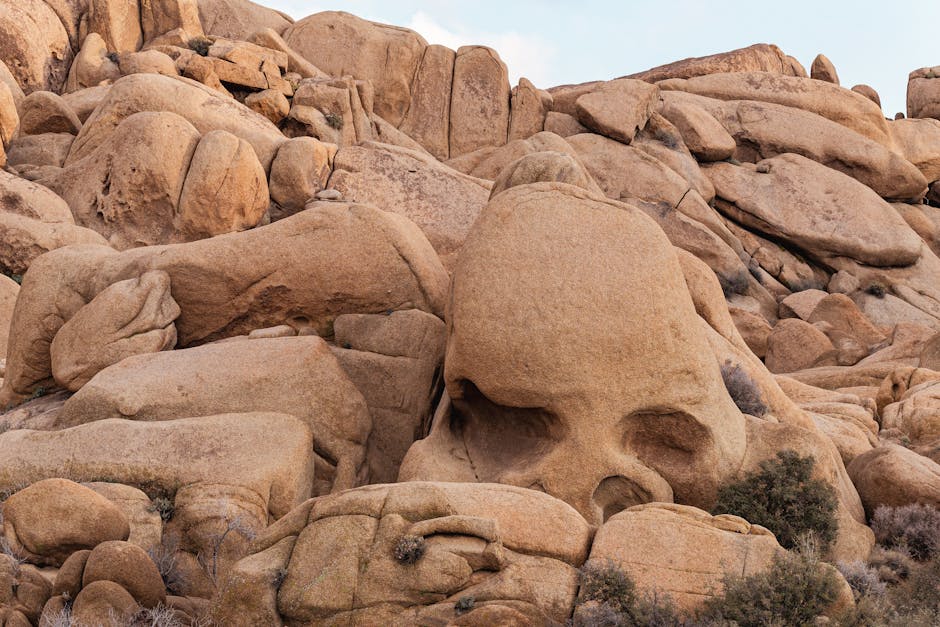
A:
554, 42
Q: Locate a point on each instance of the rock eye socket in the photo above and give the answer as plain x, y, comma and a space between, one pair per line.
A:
500, 438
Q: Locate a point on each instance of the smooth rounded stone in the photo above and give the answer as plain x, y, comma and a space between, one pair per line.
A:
9, 290
341, 44
825, 99
102, 602
250, 592
270, 103
46, 149
118, 22
923, 90
225, 190
496, 160
916, 411
753, 328
130, 317
32, 200
797, 345
521, 547
239, 19
443, 202
704, 136
26, 589
295, 375
663, 141
146, 62
52, 518
427, 120
9, 116
129, 565
918, 140
619, 108
23, 239
479, 101
764, 129
823, 70
300, 171
843, 282
494, 367
528, 106
756, 58
545, 167
298, 68
895, 385
68, 581
842, 314
84, 101
92, 65
158, 17
36, 46
869, 92
894, 476
260, 462
801, 304
822, 212
202, 107
563, 125
683, 551
346, 258
128, 188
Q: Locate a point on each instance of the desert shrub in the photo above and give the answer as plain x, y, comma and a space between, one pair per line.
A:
608, 598
279, 578
877, 290
892, 565
919, 596
793, 591
915, 528
163, 506
464, 604
200, 45
62, 618
409, 549
158, 616
730, 285
783, 497
16, 277
744, 392
863, 579
164, 556
334, 121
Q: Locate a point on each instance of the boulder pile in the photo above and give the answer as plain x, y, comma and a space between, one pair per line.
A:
311, 322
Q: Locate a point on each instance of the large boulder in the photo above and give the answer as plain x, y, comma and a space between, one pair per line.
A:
479, 101
49, 520
239, 19
34, 44
756, 58
32, 200
765, 129
442, 201
618, 109
342, 44
9, 289
822, 212
830, 101
918, 140
23, 240
408, 553
295, 375
129, 566
683, 551
118, 23
344, 258
202, 107
893, 476
427, 120
923, 93
127, 318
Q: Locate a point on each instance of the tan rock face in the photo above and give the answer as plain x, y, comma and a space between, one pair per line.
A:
443, 202
756, 58
54, 517
825, 99
476, 540
806, 204
683, 551
524, 425
129, 566
824, 70
892, 475
9, 289
922, 90
796, 345
301, 168
225, 191
479, 102
92, 65
128, 318
24, 239
200, 106
618, 109
705, 137
342, 45
296, 375
101, 601
239, 19
428, 117
347, 258
35, 46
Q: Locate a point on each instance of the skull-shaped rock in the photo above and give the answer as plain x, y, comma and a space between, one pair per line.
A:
576, 364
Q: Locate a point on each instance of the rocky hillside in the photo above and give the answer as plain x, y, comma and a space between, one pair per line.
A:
314, 323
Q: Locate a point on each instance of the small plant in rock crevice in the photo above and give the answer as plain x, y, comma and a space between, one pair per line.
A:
743, 390
163, 506
464, 604
409, 549
333, 120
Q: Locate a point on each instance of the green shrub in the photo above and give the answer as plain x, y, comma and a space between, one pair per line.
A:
200, 45
334, 121
892, 565
608, 598
863, 579
163, 506
464, 604
783, 497
605, 583
877, 290
793, 591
